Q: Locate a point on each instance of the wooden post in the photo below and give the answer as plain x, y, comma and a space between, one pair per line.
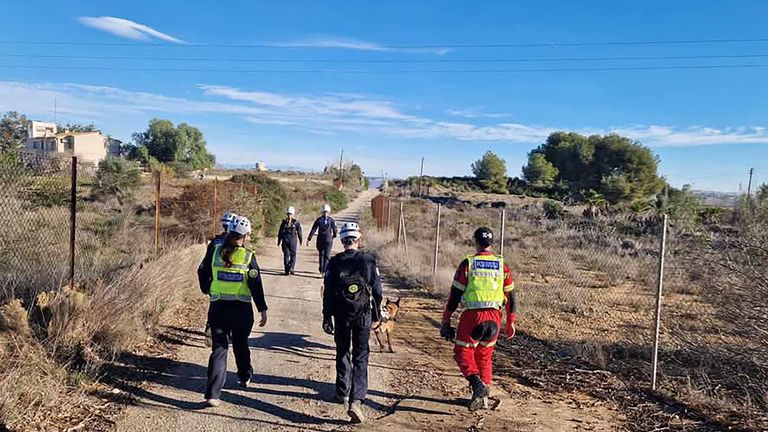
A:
215, 225
660, 285
157, 212
400, 222
503, 221
72, 220
437, 239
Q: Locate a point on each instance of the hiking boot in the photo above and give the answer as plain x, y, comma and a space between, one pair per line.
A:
208, 337
356, 412
212, 402
480, 392
244, 383
342, 399
293, 272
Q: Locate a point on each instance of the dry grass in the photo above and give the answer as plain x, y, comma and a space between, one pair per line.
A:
589, 289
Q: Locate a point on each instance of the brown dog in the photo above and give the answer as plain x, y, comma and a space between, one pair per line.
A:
387, 324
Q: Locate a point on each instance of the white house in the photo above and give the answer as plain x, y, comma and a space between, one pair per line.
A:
89, 147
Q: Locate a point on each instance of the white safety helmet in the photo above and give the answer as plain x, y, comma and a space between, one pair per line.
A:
227, 219
290, 210
350, 230
240, 225
326, 208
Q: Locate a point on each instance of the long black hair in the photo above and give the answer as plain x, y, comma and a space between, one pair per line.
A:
230, 244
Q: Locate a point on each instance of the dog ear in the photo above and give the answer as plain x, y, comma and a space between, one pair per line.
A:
388, 300
397, 302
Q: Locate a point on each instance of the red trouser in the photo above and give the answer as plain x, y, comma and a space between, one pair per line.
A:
475, 341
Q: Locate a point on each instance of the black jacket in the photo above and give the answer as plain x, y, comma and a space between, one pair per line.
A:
288, 233
205, 278
325, 227
331, 283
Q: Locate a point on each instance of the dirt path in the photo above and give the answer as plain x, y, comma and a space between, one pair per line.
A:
418, 388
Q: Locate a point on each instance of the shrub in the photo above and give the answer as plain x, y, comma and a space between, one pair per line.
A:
116, 178
47, 191
181, 169
553, 209
273, 196
336, 198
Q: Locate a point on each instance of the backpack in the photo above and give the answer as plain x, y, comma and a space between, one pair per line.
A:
353, 293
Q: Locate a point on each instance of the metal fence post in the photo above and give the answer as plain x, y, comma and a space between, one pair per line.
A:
72, 221
215, 204
157, 212
437, 239
663, 249
503, 227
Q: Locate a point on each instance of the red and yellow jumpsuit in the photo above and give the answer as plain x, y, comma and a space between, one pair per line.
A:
480, 323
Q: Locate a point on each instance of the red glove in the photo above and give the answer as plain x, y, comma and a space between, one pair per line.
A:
509, 329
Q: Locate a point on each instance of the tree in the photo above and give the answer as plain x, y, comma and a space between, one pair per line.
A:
116, 178
617, 167
491, 172
75, 127
540, 173
168, 143
762, 193
13, 131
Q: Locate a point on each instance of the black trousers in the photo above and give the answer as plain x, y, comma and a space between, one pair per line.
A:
228, 317
324, 254
290, 247
352, 353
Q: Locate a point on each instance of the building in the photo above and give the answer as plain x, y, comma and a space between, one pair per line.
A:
261, 166
89, 147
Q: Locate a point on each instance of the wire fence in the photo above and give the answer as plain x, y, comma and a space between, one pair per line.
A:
56, 233
587, 286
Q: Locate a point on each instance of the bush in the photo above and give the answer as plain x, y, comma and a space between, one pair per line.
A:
553, 209
181, 169
116, 178
272, 194
336, 198
47, 191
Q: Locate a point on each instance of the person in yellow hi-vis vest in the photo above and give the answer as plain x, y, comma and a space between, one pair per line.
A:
483, 284
230, 275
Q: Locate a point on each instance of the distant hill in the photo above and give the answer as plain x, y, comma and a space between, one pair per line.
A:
269, 167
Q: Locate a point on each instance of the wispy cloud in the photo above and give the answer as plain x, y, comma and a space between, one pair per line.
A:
328, 113
334, 42
475, 112
127, 29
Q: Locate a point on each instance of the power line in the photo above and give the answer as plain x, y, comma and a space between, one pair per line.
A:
289, 60
392, 71
400, 46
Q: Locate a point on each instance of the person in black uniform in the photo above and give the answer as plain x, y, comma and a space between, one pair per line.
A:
351, 303
290, 237
230, 275
325, 227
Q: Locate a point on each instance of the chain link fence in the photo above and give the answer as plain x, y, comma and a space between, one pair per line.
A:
587, 288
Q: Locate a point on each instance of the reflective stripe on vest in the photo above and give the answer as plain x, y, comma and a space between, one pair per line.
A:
485, 282
231, 283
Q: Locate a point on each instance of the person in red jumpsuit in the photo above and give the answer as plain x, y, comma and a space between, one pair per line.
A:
484, 285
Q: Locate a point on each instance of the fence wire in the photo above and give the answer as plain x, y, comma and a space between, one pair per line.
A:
586, 288
35, 220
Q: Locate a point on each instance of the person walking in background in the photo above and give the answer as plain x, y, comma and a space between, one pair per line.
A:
218, 239
290, 237
230, 275
483, 284
351, 303
325, 227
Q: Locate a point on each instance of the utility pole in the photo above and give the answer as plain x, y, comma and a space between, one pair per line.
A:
749, 185
341, 176
421, 175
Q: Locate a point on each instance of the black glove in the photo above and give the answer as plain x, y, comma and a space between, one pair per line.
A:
447, 332
328, 325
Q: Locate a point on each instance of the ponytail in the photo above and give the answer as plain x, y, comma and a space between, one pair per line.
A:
230, 244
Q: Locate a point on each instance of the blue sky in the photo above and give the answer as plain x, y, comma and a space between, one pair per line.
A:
291, 83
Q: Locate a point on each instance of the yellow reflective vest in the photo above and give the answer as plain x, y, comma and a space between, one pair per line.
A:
231, 283
485, 282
